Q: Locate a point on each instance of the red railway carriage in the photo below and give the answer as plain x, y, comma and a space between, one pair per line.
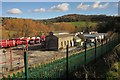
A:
11, 43
32, 41
37, 40
25, 40
18, 41
3, 43
42, 38
7, 43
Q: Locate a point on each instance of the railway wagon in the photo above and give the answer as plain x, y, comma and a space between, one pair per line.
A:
7, 43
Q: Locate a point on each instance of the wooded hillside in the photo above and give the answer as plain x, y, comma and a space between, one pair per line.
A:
18, 27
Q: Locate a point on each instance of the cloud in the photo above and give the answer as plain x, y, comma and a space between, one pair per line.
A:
60, 7
14, 11
39, 10
98, 5
83, 6
113, 14
117, 4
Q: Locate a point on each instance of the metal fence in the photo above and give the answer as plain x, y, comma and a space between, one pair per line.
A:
57, 68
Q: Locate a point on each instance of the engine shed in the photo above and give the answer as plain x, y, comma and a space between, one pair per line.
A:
56, 42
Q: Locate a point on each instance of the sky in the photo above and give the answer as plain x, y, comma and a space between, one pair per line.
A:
45, 10
58, 0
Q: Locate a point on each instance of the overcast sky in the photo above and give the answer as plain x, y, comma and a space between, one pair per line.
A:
45, 10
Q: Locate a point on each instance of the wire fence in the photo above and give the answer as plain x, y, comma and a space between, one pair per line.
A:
57, 69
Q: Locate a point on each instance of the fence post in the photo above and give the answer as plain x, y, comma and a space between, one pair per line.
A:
106, 46
109, 44
112, 42
95, 58
85, 65
67, 62
27, 45
118, 38
95, 50
101, 47
85, 54
26, 65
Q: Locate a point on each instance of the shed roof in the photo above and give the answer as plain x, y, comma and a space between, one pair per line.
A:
89, 36
99, 34
64, 35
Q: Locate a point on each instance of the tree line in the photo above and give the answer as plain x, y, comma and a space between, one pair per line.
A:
18, 27
78, 17
109, 26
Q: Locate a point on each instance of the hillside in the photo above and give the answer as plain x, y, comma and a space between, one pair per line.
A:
71, 23
78, 17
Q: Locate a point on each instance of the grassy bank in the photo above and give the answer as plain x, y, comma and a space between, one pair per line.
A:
114, 72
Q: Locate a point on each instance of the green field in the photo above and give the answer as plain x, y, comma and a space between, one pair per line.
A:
84, 24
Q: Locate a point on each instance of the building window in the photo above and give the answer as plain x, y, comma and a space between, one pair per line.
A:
70, 43
61, 44
65, 43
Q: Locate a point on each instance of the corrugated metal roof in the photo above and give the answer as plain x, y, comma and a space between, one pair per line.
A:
89, 36
99, 34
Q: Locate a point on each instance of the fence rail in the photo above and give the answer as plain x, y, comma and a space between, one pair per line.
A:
57, 68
